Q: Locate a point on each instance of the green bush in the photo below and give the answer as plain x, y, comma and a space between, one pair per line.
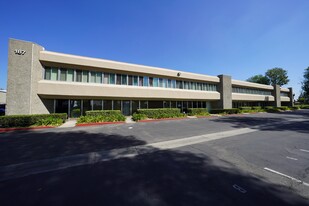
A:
284, 108
102, 116
305, 106
137, 117
198, 112
295, 107
272, 109
75, 113
269, 107
30, 120
225, 111
103, 112
161, 113
245, 110
257, 109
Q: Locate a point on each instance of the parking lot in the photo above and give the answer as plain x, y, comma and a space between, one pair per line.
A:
256, 159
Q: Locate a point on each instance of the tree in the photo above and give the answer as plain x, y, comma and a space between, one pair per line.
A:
305, 85
260, 79
277, 76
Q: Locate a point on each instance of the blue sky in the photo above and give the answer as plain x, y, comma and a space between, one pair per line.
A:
240, 38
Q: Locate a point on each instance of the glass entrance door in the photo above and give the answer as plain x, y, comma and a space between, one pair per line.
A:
126, 107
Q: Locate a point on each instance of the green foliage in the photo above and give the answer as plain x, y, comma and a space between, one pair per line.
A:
30, 120
75, 113
161, 113
137, 117
102, 112
225, 111
305, 106
272, 109
260, 79
305, 86
295, 108
277, 76
284, 108
115, 117
198, 112
49, 121
257, 109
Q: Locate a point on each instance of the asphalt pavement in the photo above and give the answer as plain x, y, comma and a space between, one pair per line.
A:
256, 159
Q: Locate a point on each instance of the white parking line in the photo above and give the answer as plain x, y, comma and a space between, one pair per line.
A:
304, 150
291, 158
284, 175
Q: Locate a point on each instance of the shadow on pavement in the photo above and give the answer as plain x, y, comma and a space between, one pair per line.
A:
158, 178
20, 147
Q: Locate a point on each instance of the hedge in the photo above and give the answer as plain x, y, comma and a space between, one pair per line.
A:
33, 119
137, 117
102, 116
161, 113
103, 112
225, 111
198, 112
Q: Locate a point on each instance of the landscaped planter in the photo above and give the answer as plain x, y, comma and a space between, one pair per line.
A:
97, 123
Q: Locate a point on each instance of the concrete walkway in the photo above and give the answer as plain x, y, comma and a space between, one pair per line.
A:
69, 123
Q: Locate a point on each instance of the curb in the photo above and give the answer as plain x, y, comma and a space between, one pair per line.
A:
97, 123
159, 120
24, 128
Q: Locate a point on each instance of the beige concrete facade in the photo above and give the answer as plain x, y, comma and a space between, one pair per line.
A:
29, 93
2, 97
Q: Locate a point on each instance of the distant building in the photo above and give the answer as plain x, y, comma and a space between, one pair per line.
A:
41, 81
2, 97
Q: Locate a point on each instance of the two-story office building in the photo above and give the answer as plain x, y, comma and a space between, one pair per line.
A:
41, 81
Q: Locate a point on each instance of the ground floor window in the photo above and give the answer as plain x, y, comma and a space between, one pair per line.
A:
76, 107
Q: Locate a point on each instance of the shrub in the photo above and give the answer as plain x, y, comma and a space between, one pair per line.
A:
102, 116
245, 110
75, 112
305, 106
257, 109
295, 108
198, 112
34, 119
284, 108
225, 111
272, 110
103, 112
161, 113
137, 117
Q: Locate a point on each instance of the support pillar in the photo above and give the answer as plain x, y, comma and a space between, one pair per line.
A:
225, 89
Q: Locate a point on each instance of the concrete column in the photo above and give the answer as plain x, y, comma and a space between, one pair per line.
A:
24, 72
291, 95
225, 89
277, 95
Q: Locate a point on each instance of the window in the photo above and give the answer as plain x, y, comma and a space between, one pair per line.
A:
165, 83
186, 85
70, 75
63, 74
85, 76
145, 83
92, 77
97, 105
155, 82
160, 82
135, 80
98, 77
78, 75
105, 78
118, 79
169, 83
151, 81
54, 74
130, 80
141, 81
47, 74
179, 84
112, 78
124, 79
173, 83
